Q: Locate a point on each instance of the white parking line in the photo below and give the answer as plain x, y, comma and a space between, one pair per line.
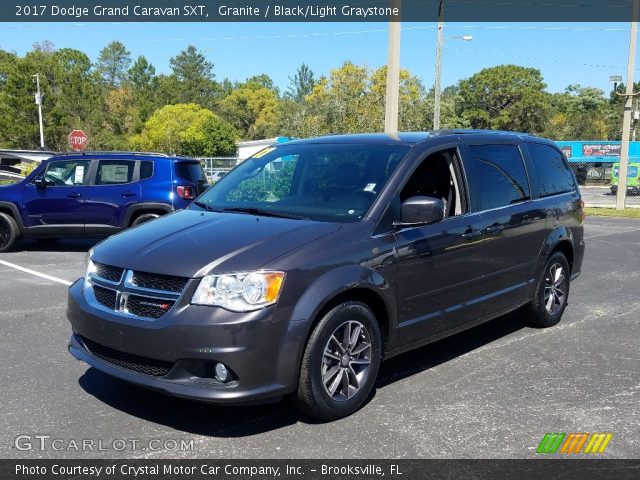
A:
33, 272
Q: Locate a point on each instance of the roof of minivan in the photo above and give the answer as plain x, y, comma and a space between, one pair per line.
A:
402, 138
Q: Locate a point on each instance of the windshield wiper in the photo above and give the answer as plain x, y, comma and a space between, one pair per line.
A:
263, 212
205, 206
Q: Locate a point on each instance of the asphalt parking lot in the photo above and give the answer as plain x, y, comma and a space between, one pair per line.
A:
493, 391
595, 196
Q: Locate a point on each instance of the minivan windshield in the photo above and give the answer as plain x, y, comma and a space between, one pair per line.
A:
324, 182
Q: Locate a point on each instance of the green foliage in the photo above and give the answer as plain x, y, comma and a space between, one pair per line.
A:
185, 129
301, 84
113, 64
507, 97
253, 110
118, 103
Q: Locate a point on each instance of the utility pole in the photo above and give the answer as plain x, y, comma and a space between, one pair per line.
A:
393, 76
628, 106
39, 103
437, 84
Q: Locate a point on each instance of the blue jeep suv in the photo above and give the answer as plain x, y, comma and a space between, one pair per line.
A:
96, 194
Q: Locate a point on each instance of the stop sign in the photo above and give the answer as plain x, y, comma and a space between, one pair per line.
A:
77, 140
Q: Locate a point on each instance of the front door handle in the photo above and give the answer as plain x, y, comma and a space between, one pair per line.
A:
74, 195
494, 230
471, 234
128, 194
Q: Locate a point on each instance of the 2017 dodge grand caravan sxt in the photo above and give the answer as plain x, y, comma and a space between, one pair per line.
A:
312, 261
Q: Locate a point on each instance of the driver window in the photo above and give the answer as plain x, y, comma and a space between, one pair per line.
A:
437, 177
67, 173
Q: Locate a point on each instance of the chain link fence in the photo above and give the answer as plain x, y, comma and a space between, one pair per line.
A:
217, 167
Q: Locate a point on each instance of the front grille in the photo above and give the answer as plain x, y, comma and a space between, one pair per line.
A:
146, 366
153, 281
105, 296
113, 274
148, 307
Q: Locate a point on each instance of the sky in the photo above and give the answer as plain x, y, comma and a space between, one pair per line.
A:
566, 54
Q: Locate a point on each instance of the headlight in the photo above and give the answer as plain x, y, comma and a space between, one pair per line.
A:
239, 292
89, 267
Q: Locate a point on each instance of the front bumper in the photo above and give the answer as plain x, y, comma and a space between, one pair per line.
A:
262, 356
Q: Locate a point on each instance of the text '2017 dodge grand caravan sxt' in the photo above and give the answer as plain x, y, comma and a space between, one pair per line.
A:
310, 262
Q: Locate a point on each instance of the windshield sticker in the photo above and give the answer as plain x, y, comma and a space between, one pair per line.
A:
262, 153
370, 187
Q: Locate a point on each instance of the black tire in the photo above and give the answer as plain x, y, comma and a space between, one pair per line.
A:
312, 396
552, 295
143, 218
9, 232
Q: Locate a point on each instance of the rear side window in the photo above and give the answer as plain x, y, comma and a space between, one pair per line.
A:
191, 172
114, 172
146, 169
497, 176
553, 175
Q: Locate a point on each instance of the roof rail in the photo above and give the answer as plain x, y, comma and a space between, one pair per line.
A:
117, 152
463, 131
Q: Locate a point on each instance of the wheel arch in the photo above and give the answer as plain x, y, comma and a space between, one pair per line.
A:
559, 240
142, 208
11, 210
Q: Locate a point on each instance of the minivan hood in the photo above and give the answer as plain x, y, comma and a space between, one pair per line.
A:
193, 243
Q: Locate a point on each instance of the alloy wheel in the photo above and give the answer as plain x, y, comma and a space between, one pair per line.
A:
346, 360
555, 288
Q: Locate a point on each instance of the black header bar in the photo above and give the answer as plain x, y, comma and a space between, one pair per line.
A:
563, 11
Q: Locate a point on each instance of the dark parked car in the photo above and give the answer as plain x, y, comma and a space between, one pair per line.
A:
311, 262
96, 194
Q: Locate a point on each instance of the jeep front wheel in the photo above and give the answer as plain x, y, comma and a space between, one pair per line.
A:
9, 232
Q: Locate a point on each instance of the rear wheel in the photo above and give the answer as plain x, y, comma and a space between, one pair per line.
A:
143, 218
552, 294
340, 362
9, 232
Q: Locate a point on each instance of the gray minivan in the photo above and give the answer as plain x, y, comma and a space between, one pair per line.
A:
312, 261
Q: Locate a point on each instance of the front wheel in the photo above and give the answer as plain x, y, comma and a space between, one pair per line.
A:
340, 363
552, 294
9, 232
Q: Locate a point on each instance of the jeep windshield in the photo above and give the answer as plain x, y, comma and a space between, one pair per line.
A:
324, 182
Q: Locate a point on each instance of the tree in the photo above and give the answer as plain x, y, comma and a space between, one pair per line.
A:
301, 84
506, 97
191, 66
184, 129
579, 113
141, 73
193, 78
113, 64
253, 111
263, 80
352, 100
72, 98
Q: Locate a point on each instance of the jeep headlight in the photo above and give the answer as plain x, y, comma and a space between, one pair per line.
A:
239, 292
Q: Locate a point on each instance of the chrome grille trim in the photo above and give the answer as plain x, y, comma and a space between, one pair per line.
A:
146, 299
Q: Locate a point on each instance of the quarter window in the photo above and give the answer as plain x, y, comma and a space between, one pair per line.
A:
553, 175
114, 172
497, 176
146, 169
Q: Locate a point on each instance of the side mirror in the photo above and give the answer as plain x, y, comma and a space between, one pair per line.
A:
420, 211
40, 183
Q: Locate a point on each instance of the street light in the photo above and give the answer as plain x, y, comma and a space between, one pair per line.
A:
437, 86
